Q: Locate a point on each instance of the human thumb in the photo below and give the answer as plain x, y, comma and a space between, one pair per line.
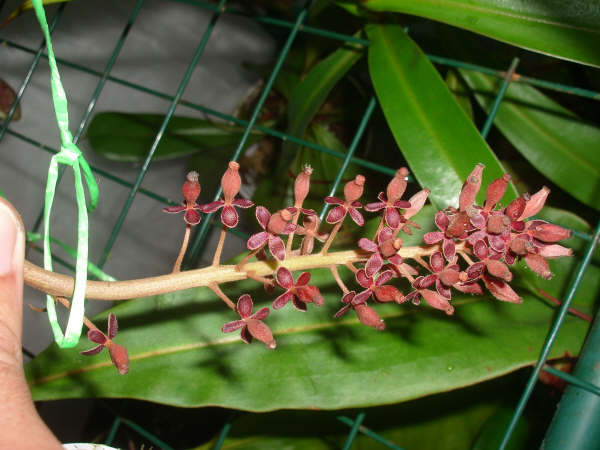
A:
20, 424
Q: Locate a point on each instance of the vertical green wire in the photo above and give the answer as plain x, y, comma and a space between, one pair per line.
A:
357, 136
562, 313
225, 431
30, 71
507, 79
113, 431
96, 94
366, 431
159, 135
194, 252
354, 430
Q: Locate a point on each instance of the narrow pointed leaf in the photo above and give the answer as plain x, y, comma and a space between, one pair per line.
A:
553, 139
434, 134
567, 30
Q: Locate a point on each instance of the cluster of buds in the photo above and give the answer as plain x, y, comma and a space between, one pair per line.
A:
474, 243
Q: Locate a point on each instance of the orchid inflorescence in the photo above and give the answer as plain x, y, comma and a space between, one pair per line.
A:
471, 252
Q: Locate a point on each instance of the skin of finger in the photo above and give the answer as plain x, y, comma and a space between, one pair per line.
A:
20, 424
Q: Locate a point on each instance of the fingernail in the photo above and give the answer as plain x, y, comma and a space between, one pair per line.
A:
9, 232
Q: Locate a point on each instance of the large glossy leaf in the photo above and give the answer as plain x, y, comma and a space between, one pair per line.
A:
568, 30
439, 142
180, 357
554, 140
127, 137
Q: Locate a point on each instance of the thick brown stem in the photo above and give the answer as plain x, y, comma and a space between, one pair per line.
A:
334, 231
184, 245
219, 250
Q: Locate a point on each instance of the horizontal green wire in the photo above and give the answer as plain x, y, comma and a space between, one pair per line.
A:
156, 441
573, 380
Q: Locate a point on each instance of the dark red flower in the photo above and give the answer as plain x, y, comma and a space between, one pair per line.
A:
230, 183
390, 201
448, 248
251, 324
352, 192
278, 223
433, 299
118, 353
310, 231
386, 248
300, 292
190, 190
367, 315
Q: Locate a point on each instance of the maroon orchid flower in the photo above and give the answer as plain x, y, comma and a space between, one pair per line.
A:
448, 248
190, 190
278, 223
386, 248
367, 315
390, 201
230, 183
378, 288
310, 231
433, 299
251, 324
352, 192
118, 353
300, 292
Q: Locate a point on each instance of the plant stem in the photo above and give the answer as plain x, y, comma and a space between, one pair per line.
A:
334, 231
242, 263
67, 304
338, 279
557, 302
184, 245
350, 266
288, 246
219, 250
217, 290
258, 278
62, 285
422, 262
407, 275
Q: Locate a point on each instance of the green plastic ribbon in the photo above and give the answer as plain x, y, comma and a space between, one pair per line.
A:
69, 155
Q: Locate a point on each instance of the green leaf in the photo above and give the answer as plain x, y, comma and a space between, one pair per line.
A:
127, 137
550, 137
460, 92
567, 30
439, 142
320, 362
310, 94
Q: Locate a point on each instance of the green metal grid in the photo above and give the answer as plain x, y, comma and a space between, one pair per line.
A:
295, 27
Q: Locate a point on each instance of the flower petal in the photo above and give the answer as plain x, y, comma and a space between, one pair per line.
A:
342, 311
229, 216
384, 277
474, 271
257, 240
363, 279
392, 217
97, 336
245, 335
501, 290
277, 247
443, 290
396, 259
361, 297
356, 216
449, 249
376, 206
244, 306
299, 305
333, 201
433, 237
336, 214
441, 220
416, 203
469, 288
282, 300
373, 264
262, 215
368, 245
385, 234
496, 242
192, 217
242, 203
232, 326
289, 228
174, 209
436, 261
261, 314
211, 207
284, 278
401, 204
113, 326
92, 351
478, 221
303, 279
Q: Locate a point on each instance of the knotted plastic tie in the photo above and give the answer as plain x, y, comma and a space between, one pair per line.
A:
69, 155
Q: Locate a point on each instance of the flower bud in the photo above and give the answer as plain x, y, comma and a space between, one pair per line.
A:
416, 203
520, 246
354, 189
390, 247
497, 224
278, 221
231, 182
388, 293
470, 188
436, 301
310, 294
501, 290
548, 232
302, 185
449, 277
498, 269
535, 203
191, 188
495, 192
554, 251
369, 317
119, 356
539, 265
515, 209
396, 187
262, 332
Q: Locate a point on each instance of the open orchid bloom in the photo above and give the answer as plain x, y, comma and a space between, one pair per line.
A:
118, 353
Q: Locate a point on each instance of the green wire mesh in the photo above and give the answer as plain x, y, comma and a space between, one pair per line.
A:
295, 27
